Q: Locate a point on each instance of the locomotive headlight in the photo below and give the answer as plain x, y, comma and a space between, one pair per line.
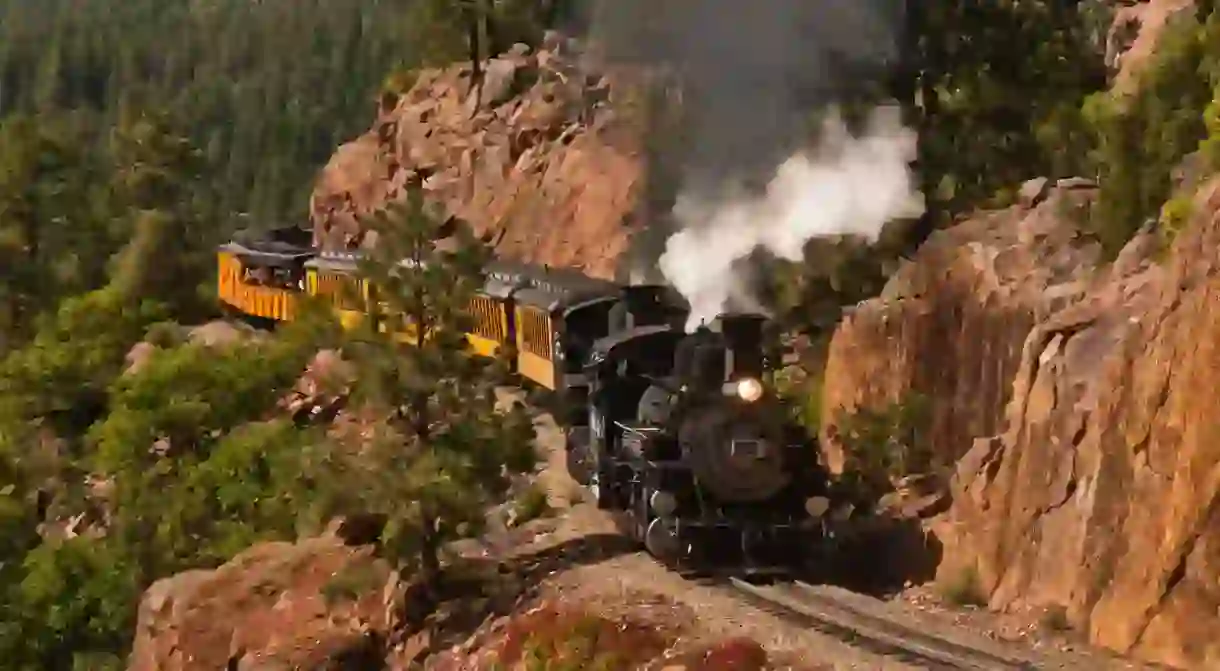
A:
748, 390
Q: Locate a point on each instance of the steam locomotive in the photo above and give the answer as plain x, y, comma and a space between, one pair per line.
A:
687, 441
679, 434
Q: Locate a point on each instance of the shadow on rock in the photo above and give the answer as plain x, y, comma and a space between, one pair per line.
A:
475, 591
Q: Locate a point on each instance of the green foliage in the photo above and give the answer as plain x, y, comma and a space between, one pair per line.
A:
79, 597
531, 504
1142, 137
40, 211
997, 92
963, 588
446, 451
73, 224
352, 582
108, 217
886, 444
803, 393
452, 30
223, 480
62, 375
1175, 216
836, 272
198, 473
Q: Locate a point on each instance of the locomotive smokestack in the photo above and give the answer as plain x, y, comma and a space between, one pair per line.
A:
743, 336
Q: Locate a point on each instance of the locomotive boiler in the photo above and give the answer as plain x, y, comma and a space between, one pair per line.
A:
688, 443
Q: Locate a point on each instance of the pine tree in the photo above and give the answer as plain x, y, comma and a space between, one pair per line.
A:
37, 203
156, 189
446, 451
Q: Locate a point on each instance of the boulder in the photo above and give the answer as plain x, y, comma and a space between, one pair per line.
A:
318, 604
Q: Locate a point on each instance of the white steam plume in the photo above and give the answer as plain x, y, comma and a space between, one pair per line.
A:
847, 185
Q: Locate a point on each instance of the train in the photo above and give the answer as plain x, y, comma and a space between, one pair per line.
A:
679, 435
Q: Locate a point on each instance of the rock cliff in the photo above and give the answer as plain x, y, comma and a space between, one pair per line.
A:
546, 157
1077, 400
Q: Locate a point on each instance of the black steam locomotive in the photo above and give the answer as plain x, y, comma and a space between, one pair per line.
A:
687, 442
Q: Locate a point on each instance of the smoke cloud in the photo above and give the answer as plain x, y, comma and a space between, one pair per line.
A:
848, 185
754, 75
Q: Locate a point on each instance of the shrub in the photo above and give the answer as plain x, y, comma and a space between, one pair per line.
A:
883, 445
1175, 216
530, 505
964, 588
1055, 619
1140, 138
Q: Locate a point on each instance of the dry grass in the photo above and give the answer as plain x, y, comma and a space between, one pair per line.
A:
963, 588
554, 638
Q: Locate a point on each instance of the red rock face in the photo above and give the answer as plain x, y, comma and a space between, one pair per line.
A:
548, 160
1080, 407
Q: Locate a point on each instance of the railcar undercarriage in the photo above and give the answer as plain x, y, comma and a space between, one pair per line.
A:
661, 504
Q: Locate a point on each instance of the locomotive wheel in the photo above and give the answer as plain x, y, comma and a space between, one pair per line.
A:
661, 541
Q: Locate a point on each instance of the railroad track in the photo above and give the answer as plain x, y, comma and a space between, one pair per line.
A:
802, 603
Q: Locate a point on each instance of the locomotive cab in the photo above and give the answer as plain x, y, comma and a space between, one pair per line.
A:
647, 305
620, 369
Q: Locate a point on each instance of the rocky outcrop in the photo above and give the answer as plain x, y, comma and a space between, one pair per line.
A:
545, 157
972, 293
320, 605
1078, 401
1134, 33
314, 605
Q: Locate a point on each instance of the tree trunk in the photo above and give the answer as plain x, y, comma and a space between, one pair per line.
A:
475, 14
421, 420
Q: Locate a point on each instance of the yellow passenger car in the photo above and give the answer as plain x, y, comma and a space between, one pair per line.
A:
262, 281
332, 277
557, 317
490, 320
